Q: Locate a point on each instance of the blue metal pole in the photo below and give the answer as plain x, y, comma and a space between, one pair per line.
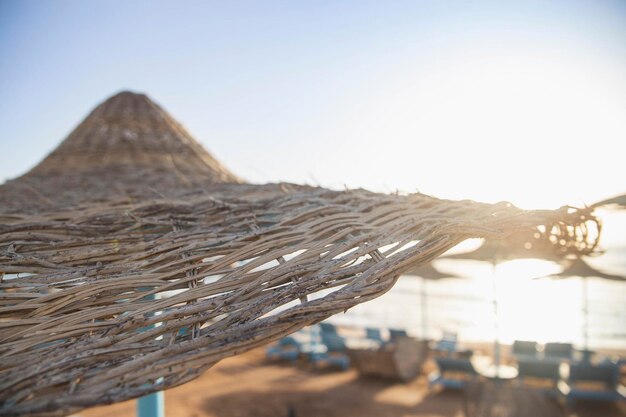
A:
424, 310
151, 405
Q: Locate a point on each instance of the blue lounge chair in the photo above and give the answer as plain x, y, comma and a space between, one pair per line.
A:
523, 349
328, 328
447, 343
374, 334
558, 351
333, 342
541, 371
452, 373
331, 348
396, 333
286, 348
601, 383
329, 337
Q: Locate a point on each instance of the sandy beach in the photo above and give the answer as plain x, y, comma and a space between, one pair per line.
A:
250, 385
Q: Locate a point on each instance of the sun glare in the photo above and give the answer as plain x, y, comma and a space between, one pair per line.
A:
526, 302
516, 126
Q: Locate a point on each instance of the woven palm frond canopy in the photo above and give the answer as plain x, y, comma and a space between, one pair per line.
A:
130, 206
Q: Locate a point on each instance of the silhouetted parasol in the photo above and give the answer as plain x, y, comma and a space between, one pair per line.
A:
618, 202
581, 269
537, 244
527, 245
428, 272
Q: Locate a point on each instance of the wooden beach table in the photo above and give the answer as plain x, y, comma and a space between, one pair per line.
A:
401, 359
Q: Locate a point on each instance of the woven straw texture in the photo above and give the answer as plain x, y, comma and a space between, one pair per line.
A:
86, 243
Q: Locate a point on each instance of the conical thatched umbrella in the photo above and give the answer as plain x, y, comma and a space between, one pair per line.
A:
428, 272
538, 244
579, 268
130, 206
618, 202
127, 147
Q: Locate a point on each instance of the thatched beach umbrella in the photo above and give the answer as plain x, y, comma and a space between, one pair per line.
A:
428, 272
581, 269
531, 244
127, 147
130, 206
618, 202
541, 244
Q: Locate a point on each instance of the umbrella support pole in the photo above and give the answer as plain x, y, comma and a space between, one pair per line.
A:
496, 347
151, 405
424, 310
585, 314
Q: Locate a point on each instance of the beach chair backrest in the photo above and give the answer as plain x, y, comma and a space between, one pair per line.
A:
333, 342
558, 350
396, 333
586, 372
328, 328
448, 342
288, 341
446, 364
524, 348
373, 334
539, 369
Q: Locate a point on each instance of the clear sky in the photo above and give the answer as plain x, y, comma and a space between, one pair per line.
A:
490, 100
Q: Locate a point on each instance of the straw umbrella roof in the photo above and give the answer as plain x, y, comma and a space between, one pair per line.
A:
430, 272
579, 268
128, 146
618, 202
539, 244
130, 206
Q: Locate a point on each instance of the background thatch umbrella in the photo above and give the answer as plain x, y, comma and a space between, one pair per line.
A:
428, 272
130, 206
618, 202
579, 268
534, 244
523, 245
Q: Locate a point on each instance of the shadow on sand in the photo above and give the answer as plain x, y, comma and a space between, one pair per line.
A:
361, 397
357, 397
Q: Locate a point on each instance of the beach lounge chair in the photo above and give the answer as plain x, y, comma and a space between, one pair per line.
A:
374, 334
452, 372
558, 351
328, 328
397, 333
330, 337
593, 382
525, 349
287, 348
332, 349
448, 346
447, 343
544, 375
333, 342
